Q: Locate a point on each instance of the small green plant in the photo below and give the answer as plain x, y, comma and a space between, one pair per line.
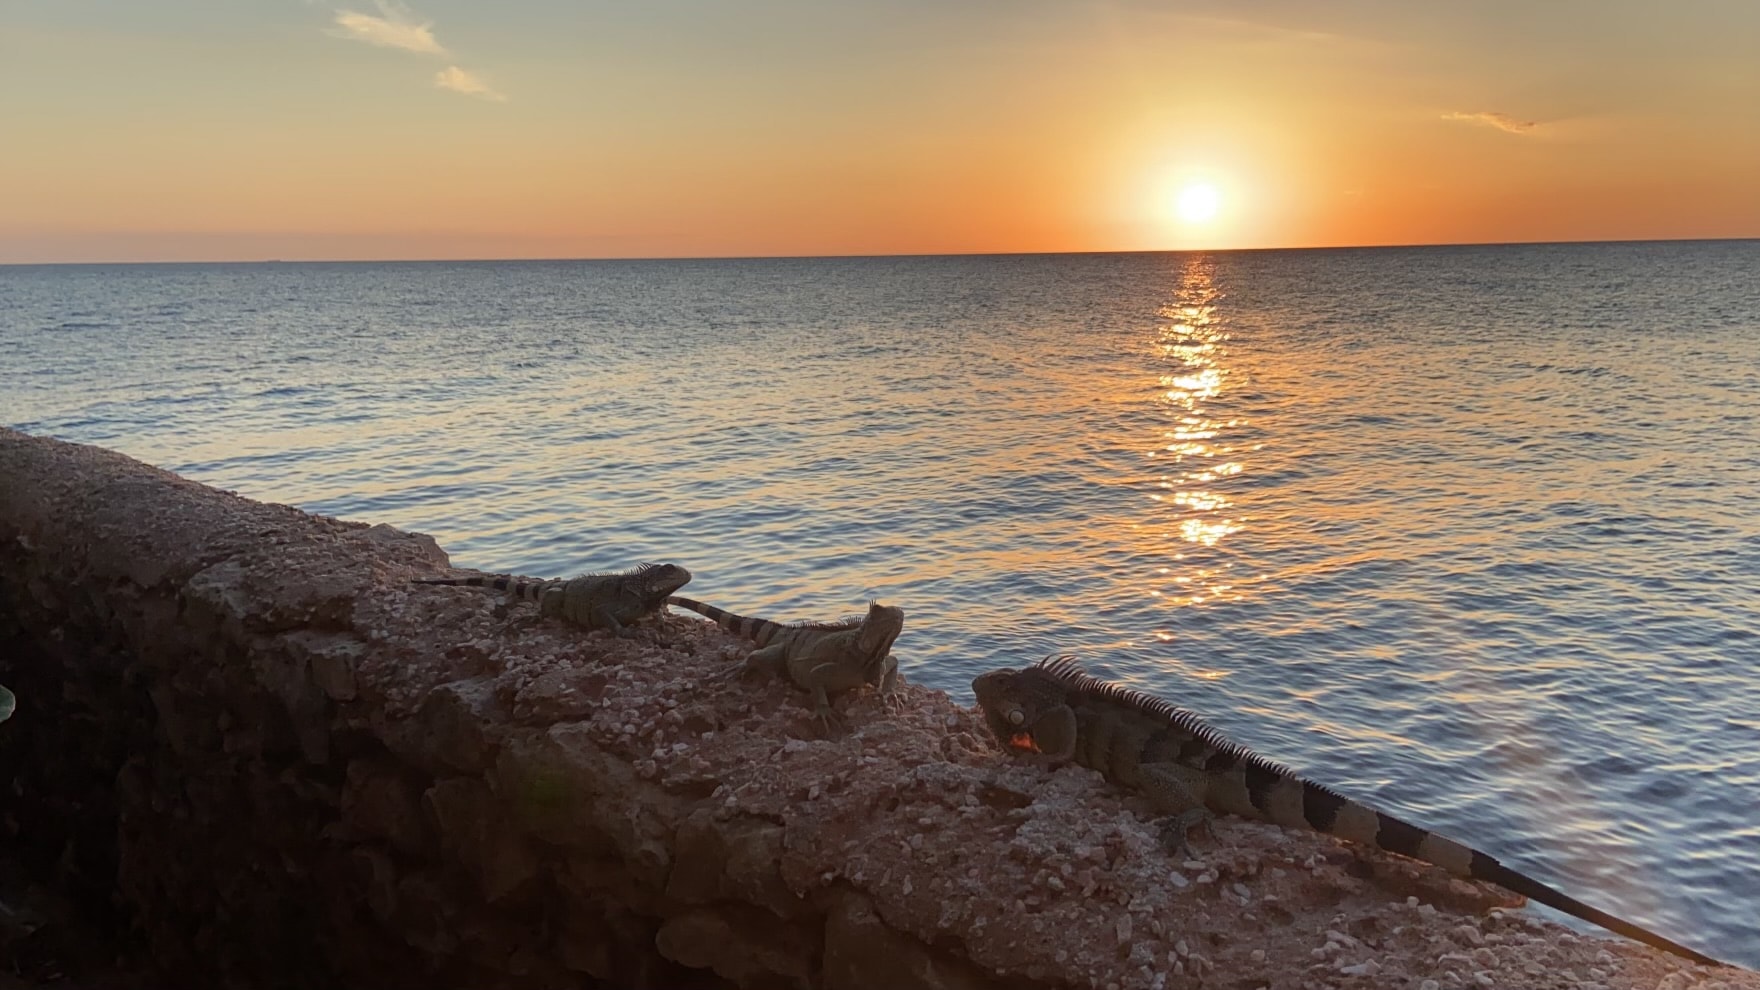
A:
7, 704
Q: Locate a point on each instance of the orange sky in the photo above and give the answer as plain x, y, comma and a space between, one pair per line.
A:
214, 130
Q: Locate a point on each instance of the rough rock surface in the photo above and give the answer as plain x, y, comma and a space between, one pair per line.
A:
270, 761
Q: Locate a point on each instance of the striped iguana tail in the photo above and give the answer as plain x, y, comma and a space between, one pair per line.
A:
528, 589
760, 631
1325, 810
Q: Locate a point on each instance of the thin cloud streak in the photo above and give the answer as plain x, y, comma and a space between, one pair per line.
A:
469, 83
1501, 121
395, 28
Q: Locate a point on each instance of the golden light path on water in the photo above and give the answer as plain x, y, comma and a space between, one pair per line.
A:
1198, 445
1195, 449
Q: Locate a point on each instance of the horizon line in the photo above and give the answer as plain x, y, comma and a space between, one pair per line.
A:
902, 254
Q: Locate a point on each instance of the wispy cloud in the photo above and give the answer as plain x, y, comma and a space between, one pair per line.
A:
395, 27
1501, 121
469, 83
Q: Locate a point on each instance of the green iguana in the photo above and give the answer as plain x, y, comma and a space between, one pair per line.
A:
1189, 770
595, 601
818, 656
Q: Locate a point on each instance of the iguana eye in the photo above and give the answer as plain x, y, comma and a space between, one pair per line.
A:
1016, 717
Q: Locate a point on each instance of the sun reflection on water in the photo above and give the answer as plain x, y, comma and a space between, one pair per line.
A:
1193, 450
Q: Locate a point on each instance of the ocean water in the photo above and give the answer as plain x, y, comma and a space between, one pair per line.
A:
1471, 533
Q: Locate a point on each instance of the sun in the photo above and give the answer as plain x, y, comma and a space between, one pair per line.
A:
1198, 203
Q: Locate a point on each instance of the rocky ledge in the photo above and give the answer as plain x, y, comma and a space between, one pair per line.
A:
247, 753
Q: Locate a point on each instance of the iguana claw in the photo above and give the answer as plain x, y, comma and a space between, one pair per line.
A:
1174, 830
830, 722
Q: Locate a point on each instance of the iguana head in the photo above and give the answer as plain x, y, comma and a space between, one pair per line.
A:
880, 627
654, 582
1014, 702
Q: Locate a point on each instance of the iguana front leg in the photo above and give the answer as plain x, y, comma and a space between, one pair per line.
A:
604, 617
1167, 788
889, 679
889, 697
819, 679
828, 717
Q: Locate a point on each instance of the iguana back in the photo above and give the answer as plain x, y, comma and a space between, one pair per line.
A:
594, 601
1172, 757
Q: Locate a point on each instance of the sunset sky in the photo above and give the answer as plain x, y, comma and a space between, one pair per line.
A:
225, 129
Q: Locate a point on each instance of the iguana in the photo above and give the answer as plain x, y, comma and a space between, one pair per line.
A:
1189, 770
595, 601
820, 657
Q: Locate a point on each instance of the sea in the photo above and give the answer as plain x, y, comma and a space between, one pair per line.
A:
1471, 533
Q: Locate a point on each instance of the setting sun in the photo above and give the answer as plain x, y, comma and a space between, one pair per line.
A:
1199, 203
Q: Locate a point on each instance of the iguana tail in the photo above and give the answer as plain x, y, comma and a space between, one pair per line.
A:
1487, 868
1324, 810
529, 589
760, 631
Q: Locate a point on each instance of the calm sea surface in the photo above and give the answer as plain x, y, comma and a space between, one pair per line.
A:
1472, 533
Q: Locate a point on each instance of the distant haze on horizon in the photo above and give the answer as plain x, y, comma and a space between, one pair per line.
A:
438, 129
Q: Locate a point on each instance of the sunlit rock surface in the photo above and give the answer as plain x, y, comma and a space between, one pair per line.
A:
291, 768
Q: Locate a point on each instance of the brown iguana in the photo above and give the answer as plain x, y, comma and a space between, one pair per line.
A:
819, 656
1188, 769
595, 601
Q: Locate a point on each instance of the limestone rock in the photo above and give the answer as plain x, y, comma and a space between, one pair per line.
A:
383, 799
751, 955
474, 828
862, 953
